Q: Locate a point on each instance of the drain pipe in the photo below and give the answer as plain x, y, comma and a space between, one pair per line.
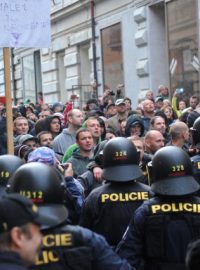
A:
95, 88
13, 77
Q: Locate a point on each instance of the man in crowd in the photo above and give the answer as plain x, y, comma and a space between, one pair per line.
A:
121, 114
153, 141
67, 137
158, 123
179, 133
93, 125
29, 140
45, 138
20, 126
194, 100
110, 110
82, 156
148, 112
44, 114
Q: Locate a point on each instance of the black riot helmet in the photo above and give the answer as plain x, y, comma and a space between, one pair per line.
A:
172, 172
121, 160
195, 130
45, 187
8, 165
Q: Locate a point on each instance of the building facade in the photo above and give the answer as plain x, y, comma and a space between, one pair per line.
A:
138, 44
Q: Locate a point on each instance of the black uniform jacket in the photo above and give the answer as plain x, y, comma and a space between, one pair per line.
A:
109, 208
160, 231
74, 248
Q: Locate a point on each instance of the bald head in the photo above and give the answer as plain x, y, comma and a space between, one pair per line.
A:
179, 130
75, 118
148, 106
154, 140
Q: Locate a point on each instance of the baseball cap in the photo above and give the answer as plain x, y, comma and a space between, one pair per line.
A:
158, 99
110, 105
42, 154
26, 137
17, 210
119, 101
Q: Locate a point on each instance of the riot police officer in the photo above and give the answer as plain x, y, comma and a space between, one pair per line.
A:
162, 227
108, 208
192, 259
64, 246
195, 131
8, 165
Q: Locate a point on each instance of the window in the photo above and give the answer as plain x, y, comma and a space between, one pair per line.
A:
112, 56
32, 78
183, 45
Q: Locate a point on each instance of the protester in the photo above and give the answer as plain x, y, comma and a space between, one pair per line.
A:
82, 156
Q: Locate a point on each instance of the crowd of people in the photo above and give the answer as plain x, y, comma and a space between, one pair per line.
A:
129, 177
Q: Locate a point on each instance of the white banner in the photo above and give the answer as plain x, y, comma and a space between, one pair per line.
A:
25, 23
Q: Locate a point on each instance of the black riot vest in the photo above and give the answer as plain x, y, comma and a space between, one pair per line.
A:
170, 226
64, 248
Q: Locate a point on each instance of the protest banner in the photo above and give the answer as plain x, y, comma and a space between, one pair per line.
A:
23, 23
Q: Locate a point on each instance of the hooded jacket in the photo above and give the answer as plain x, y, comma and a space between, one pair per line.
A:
63, 141
131, 121
79, 163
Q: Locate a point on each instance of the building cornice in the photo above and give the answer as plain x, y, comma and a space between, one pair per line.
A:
60, 12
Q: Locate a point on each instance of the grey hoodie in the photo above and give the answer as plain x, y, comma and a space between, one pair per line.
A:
63, 141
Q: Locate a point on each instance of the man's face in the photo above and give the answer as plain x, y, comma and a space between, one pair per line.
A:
77, 118
154, 143
46, 140
111, 110
94, 127
31, 144
44, 114
135, 130
148, 106
21, 126
85, 141
159, 104
159, 125
121, 108
193, 103
30, 243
